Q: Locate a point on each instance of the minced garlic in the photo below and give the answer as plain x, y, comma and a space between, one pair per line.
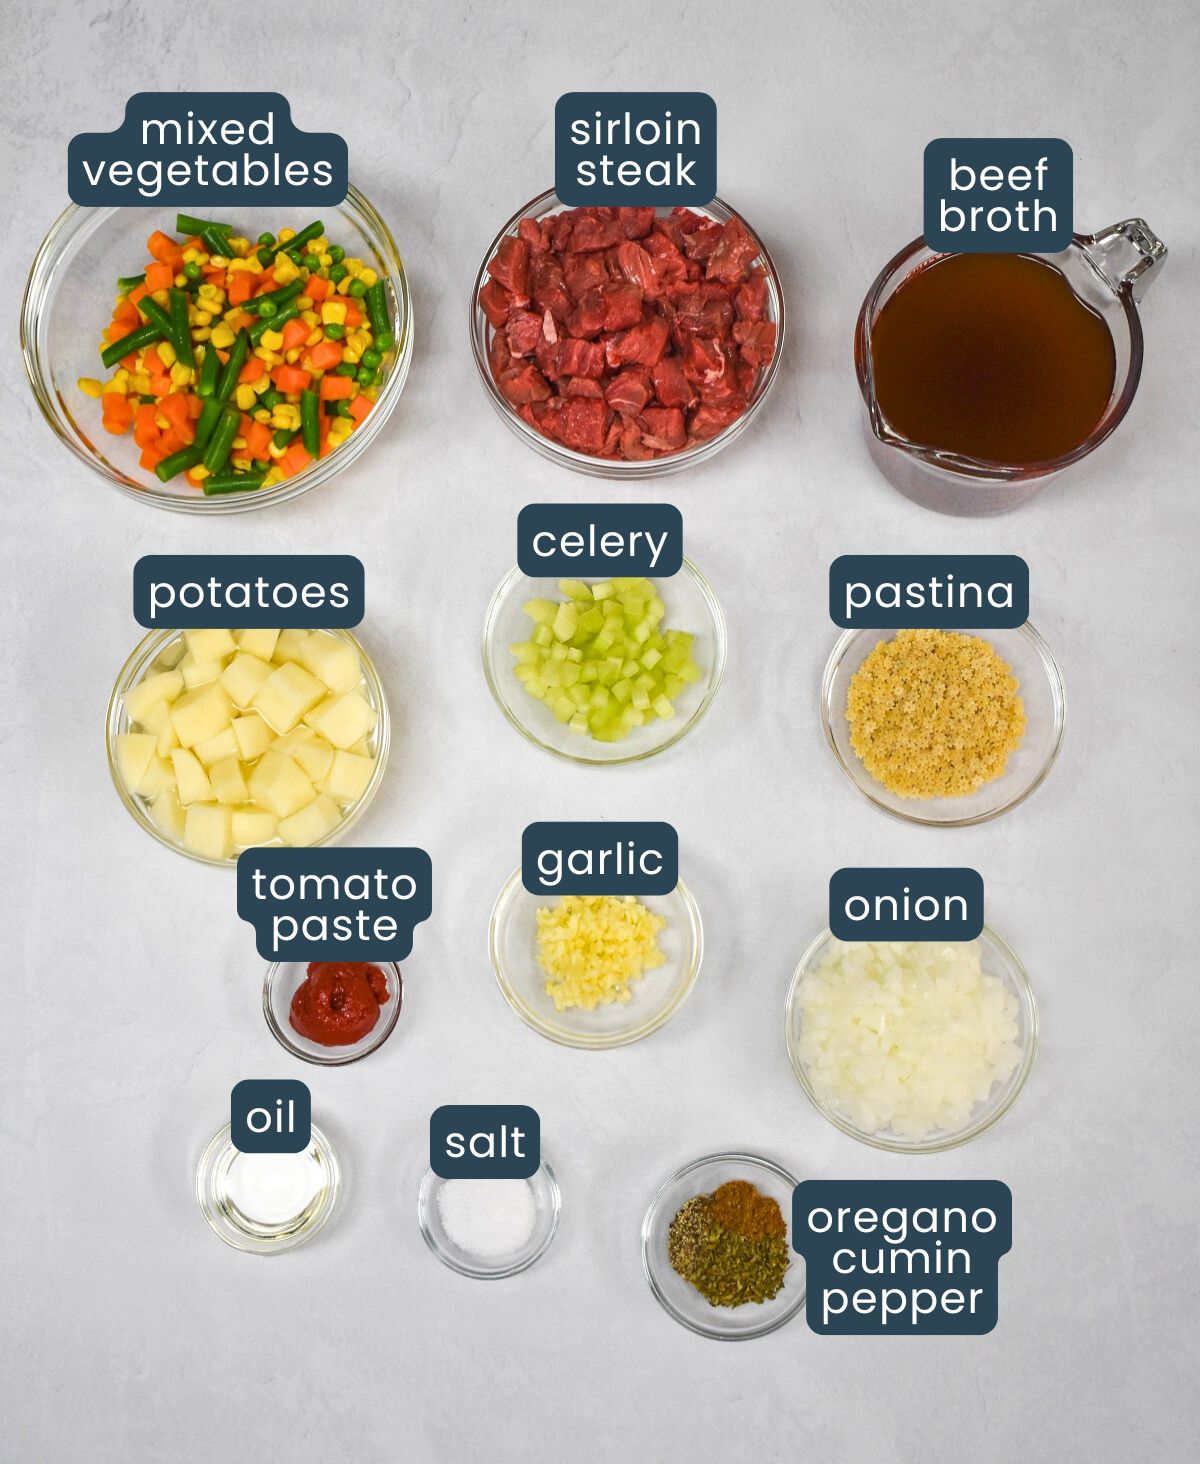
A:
592, 946
934, 713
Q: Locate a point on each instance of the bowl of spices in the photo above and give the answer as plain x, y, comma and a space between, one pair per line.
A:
267, 1203
944, 727
332, 1012
984, 375
489, 1228
716, 1251
595, 971
912, 1046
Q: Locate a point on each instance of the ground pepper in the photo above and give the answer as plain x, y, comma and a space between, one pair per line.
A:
730, 1245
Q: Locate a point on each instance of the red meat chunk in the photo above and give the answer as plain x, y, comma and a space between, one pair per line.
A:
730, 261
510, 267
583, 273
579, 423
547, 286
622, 306
494, 301
592, 232
750, 299
578, 358
635, 223
523, 331
756, 338
706, 421
630, 390
638, 267
671, 386
665, 429
640, 345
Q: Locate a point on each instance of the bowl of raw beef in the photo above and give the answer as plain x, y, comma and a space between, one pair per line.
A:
627, 342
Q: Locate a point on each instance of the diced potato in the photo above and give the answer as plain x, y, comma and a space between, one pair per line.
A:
163, 686
134, 752
243, 676
287, 647
227, 781
362, 747
287, 693
343, 720
167, 814
191, 780
331, 660
224, 744
311, 824
209, 645
207, 831
315, 756
252, 826
197, 673
159, 775
169, 657
279, 783
200, 714
348, 776
292, 740
158, 721
253, 736
260, 643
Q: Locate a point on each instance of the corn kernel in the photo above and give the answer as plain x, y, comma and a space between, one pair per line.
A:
351, 356
262, 384
202, 334
304, 304
181, 375
286, 234
271, 339
326, 259
223, 337
242, 464
368, 276
292, 356
341, 429
200, 472
190, 255
263, 415
220, 261
139, 381
285, 270
333, 312
358, 341
273, 476
310, 318
245, 396
166, 353
314, 336
180, 281
200, 317
276, 452
89, 386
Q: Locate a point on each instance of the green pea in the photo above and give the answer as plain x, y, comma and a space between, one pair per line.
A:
337, 254
371, 359
334, 332
267, 309
282, 437
341, 409
357, 289
384, 341
266, 239
366, 377
191, 270
347, 368
337, 273
270, 399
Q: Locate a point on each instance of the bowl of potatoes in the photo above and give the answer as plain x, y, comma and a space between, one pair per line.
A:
222, 740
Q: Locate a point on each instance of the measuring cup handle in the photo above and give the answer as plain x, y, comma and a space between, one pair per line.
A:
1129, 255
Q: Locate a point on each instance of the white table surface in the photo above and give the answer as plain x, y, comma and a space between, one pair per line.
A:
128, 1332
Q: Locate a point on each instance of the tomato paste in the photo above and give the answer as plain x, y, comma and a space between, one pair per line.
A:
338, 1002
623, 334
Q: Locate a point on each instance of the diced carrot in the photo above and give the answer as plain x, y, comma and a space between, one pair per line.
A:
127, 312
336, 388
163, 248
316, 288
145, 428
258, 438
139, 292
241, 287
360, 406
295, 333
214, 276
252, 370
159, 277
172, 441
153, 362
161, 385
116, 406
195, 405
175, 408
295, 458
119, 329
354, 315
151, 457
324, 356
239, 320
290, 378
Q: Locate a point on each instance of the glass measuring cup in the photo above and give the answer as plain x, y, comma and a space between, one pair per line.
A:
1109, 271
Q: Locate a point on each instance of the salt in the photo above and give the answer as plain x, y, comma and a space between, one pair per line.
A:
487, 1217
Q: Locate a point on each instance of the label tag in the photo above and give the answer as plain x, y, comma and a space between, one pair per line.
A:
599, 858
270, 1116
485, 1141
889, 1257
225, 149
599, 539
238, 591
999, 195
929, 591
334, 904
635, 149
906, 904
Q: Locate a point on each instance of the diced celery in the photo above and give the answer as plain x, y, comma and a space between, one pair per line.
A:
543, 636
525, 651
543, 611
690, 672
575, 589
564, 622
604, 590
663, 708
579, 722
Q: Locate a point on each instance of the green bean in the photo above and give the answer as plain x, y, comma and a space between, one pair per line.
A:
210, 415
283, 437
310, 422
233, 367
134, 341
130, 282
178, 462
276, 297
276, 322
310, 231
217, 448
232, 482
210, 369
377, 311
181, 337
270, 399
154, 312
215, 242
189, 224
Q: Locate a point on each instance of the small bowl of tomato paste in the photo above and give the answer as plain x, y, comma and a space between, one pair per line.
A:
627, 342
332, 1012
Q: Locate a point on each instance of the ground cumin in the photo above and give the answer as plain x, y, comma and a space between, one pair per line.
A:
934, 713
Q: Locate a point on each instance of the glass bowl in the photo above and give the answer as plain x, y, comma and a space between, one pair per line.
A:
679, 1298
1041, 690
656, 996
155, 652
691, 606
997, 959
280, 985
582, 462
304, 1192
548, 1199
68, 300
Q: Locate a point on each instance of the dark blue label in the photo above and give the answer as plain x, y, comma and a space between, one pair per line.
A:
906, 904
888, 1257
633, 149
334, 904
270, 1116
998, 195
485, 1141
599, 539
237, 591
222, 150
600, 858
929, 591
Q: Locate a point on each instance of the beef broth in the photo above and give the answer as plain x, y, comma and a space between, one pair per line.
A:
992, 356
